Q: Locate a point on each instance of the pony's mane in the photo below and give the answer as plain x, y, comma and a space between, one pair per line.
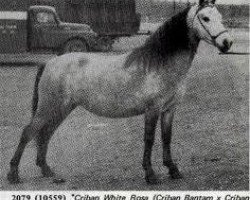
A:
168, 39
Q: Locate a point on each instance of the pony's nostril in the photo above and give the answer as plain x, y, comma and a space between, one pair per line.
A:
227, 43
230, 43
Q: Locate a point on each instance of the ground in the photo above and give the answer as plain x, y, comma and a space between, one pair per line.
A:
210, 132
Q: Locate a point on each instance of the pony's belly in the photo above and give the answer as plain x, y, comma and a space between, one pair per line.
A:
115, 106
128, 102
115, 113
114, 109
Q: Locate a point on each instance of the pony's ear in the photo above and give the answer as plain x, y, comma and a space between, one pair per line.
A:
201, 2
206, 2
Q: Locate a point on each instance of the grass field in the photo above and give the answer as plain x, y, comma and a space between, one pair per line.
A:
210, 142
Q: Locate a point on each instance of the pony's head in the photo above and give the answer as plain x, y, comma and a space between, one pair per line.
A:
206, 21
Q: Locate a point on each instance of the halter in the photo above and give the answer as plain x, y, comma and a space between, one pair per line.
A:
213, 37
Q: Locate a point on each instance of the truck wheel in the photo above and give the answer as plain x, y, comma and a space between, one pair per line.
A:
76, 45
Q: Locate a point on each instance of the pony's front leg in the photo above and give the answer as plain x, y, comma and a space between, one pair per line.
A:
151, 119
166, 130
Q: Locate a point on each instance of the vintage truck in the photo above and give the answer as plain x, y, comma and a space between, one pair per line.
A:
40, 29
35, 25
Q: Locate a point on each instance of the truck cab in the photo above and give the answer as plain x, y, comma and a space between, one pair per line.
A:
47, 31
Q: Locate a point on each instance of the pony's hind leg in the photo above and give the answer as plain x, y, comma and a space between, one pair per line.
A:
42, 147
45, 135
166, 130
29, 132
151, 119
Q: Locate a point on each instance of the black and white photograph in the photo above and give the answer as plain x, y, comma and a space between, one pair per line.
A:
124, 95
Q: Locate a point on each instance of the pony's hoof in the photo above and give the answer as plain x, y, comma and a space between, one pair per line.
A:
175, 174
47, 172
151, 179
13, 177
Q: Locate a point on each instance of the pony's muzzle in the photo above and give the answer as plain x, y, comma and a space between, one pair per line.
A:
224, 42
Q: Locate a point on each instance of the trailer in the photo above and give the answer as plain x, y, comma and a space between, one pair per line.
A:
106, 17
109, 19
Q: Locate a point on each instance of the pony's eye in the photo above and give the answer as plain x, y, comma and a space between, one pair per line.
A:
206, 19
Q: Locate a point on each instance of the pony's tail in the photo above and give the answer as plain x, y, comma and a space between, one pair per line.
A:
35, 93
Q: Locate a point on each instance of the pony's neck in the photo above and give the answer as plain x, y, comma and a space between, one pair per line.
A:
173, 37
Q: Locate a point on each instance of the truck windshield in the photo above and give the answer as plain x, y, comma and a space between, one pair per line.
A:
44, 17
